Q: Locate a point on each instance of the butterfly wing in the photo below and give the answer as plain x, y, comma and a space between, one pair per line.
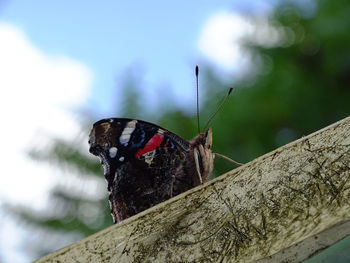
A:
144, 164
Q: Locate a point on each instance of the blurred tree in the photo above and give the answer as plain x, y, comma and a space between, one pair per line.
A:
299, 84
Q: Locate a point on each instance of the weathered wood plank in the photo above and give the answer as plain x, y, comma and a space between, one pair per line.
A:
250, 213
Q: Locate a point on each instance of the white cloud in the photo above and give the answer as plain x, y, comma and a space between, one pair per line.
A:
221, 37
225, 35
36, 92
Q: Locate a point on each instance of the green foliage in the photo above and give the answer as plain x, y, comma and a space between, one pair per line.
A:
65, 154
300, 86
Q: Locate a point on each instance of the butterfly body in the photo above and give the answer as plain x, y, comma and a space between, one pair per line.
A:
145, 164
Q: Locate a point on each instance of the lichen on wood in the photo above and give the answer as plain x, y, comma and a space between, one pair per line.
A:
247, 214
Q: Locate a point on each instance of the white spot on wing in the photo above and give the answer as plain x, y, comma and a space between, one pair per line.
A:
113, 152
149, 157
121, 158
128, 130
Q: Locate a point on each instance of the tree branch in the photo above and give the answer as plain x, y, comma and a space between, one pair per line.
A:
272, 204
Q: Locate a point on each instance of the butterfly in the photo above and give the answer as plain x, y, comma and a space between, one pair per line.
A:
145, 164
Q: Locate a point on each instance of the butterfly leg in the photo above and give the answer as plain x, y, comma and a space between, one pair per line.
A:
195, 153
227, 158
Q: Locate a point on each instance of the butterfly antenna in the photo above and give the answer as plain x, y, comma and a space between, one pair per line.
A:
219, 108
197, 73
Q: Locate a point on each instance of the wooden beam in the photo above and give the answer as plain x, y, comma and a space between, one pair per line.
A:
254, 212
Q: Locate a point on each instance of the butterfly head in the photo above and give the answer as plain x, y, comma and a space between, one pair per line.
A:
204, 138
208, 138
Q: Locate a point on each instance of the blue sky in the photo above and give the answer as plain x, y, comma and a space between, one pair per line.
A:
59, 55
110, 36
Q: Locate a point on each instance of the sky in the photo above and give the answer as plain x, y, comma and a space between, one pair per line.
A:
57, 57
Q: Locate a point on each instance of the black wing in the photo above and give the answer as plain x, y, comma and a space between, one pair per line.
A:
142, 163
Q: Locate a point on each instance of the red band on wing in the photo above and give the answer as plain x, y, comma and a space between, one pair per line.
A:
152, 144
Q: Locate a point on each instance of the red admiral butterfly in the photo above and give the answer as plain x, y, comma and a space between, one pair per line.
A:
145, 164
